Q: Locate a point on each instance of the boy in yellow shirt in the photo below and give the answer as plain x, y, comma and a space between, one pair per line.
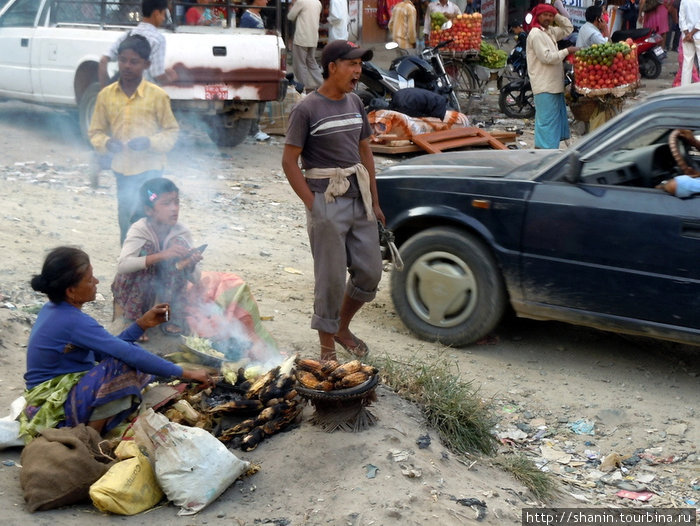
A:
134, 122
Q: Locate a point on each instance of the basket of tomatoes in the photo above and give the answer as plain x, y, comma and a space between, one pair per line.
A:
606, 69
465, 33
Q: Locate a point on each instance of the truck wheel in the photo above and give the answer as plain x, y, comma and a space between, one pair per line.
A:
86, 107
228, 136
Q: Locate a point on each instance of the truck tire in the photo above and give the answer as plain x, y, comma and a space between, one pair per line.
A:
228, 136
86, 107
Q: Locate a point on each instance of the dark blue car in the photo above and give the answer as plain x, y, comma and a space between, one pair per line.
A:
581, 236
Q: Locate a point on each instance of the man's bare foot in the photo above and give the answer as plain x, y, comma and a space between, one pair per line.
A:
328, 353
352, 344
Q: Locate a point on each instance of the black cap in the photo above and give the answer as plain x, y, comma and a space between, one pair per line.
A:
343, 50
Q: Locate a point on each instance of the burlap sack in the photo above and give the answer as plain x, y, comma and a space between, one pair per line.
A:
59, 466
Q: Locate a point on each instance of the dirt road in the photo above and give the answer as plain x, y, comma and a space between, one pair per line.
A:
545, 379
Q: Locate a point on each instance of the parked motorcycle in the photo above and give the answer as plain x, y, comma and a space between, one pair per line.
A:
650, 52
515, 98
426, 71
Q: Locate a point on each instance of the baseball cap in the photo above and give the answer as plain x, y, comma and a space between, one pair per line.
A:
343, 50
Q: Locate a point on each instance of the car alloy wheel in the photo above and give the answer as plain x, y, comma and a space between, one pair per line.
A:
450, 289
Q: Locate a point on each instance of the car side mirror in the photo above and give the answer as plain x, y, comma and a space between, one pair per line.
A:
572, 168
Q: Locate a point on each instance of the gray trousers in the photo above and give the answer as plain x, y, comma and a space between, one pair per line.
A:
306, 69
342, 241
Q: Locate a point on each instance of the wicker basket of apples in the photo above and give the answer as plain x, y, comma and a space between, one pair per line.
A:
606, 69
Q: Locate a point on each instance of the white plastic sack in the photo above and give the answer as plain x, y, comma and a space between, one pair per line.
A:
191, 465
9, 425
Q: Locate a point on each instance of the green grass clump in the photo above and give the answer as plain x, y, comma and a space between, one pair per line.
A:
451, 406
526, 472
464, 420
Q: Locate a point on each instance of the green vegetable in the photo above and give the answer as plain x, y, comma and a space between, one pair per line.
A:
491, 57
436, 20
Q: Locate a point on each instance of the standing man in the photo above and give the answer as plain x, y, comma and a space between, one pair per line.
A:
403, 24
329, 130
154, 14
307, 17
689, 22
133, 121
446, 7
338, 19
595, 30
546, 70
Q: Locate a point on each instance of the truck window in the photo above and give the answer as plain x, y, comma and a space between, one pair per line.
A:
21, 14
69, 12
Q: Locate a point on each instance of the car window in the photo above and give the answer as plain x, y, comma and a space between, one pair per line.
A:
641, 160
21, 14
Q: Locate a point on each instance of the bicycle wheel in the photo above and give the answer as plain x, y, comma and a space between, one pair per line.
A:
463, 82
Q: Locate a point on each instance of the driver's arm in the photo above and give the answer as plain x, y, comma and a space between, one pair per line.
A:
681, 186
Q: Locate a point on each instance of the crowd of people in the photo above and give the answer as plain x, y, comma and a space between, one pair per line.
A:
550, 24
77, 372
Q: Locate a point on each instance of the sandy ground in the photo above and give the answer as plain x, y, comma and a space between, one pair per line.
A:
641, 395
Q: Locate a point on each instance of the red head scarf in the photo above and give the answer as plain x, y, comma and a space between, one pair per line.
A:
538, 10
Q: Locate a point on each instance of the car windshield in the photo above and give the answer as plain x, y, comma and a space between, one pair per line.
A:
641, 160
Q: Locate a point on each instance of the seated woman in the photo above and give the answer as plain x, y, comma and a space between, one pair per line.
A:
65, 385
157, 260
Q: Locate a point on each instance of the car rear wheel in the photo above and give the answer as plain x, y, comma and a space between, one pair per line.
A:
450, 289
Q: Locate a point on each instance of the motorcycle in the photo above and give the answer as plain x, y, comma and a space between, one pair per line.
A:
426, 71
650, 52
515, 98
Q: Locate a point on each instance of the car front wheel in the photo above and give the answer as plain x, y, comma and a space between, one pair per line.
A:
450, 290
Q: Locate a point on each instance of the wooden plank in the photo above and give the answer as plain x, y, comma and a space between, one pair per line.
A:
478, 140
436, 142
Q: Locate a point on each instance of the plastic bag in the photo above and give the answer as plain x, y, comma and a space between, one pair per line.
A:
191, 465
9, 425
130, 485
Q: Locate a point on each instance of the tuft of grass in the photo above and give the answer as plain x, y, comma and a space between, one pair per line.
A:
451, 406
526, 472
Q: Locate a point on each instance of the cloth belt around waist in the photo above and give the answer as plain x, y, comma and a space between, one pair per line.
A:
338, 183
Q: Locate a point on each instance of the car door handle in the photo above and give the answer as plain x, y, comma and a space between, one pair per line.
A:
24, 42
690, 229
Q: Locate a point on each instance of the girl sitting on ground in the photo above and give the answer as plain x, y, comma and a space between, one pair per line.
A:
157, 259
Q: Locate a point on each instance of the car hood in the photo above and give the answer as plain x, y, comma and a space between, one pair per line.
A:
514, 164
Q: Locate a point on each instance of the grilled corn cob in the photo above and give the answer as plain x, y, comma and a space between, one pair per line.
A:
346, 369
352, 379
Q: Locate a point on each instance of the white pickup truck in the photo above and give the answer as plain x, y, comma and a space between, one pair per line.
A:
50, 51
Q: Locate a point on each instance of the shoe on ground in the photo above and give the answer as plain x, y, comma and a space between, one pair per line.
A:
261, 136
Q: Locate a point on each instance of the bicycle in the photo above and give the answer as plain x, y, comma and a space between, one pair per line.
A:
469, 79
